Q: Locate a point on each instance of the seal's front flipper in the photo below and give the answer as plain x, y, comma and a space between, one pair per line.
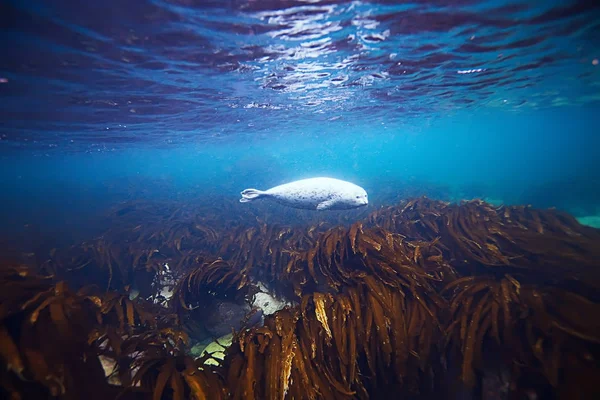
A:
325, 205
251, 194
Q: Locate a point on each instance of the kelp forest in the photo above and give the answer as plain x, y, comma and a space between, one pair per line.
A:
421, 300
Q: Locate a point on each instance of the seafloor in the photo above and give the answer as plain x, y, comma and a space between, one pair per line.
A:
420, 300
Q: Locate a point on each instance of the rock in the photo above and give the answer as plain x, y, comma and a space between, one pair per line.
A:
225, 317
217, 349
590, 220
267, 302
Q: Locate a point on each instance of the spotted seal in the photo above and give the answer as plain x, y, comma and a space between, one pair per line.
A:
313, 194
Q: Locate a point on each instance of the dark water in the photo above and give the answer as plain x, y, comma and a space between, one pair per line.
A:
496, 100
175, 72
156, 112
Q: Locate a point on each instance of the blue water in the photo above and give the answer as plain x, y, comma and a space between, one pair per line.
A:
112, 101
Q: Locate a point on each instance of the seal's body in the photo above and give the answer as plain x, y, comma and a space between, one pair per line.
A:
313, 194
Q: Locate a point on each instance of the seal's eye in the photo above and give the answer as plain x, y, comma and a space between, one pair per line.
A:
358, 197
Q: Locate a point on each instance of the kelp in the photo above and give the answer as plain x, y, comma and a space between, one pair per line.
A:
199, 292
531, 325
341, 256
141, 240
210, 279
52, 337
386, 304
480, 234
154, 362
120, 311
44, 329
337, 346
481, 307
145, 240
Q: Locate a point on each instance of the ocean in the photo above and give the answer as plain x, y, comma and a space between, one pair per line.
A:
129, 129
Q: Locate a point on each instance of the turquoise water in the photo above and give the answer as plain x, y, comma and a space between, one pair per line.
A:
152, 100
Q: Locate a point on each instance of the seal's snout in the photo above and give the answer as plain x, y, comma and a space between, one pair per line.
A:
362, 200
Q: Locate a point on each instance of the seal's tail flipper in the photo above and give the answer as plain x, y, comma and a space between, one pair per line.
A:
251, 194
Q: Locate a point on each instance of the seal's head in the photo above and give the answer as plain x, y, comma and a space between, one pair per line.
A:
355, 197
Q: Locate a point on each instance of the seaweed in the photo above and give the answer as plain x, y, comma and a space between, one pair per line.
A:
45, 328
388, 303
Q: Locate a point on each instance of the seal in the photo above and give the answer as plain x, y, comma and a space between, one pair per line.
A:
313, 194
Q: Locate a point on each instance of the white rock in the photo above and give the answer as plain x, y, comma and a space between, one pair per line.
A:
267, 302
